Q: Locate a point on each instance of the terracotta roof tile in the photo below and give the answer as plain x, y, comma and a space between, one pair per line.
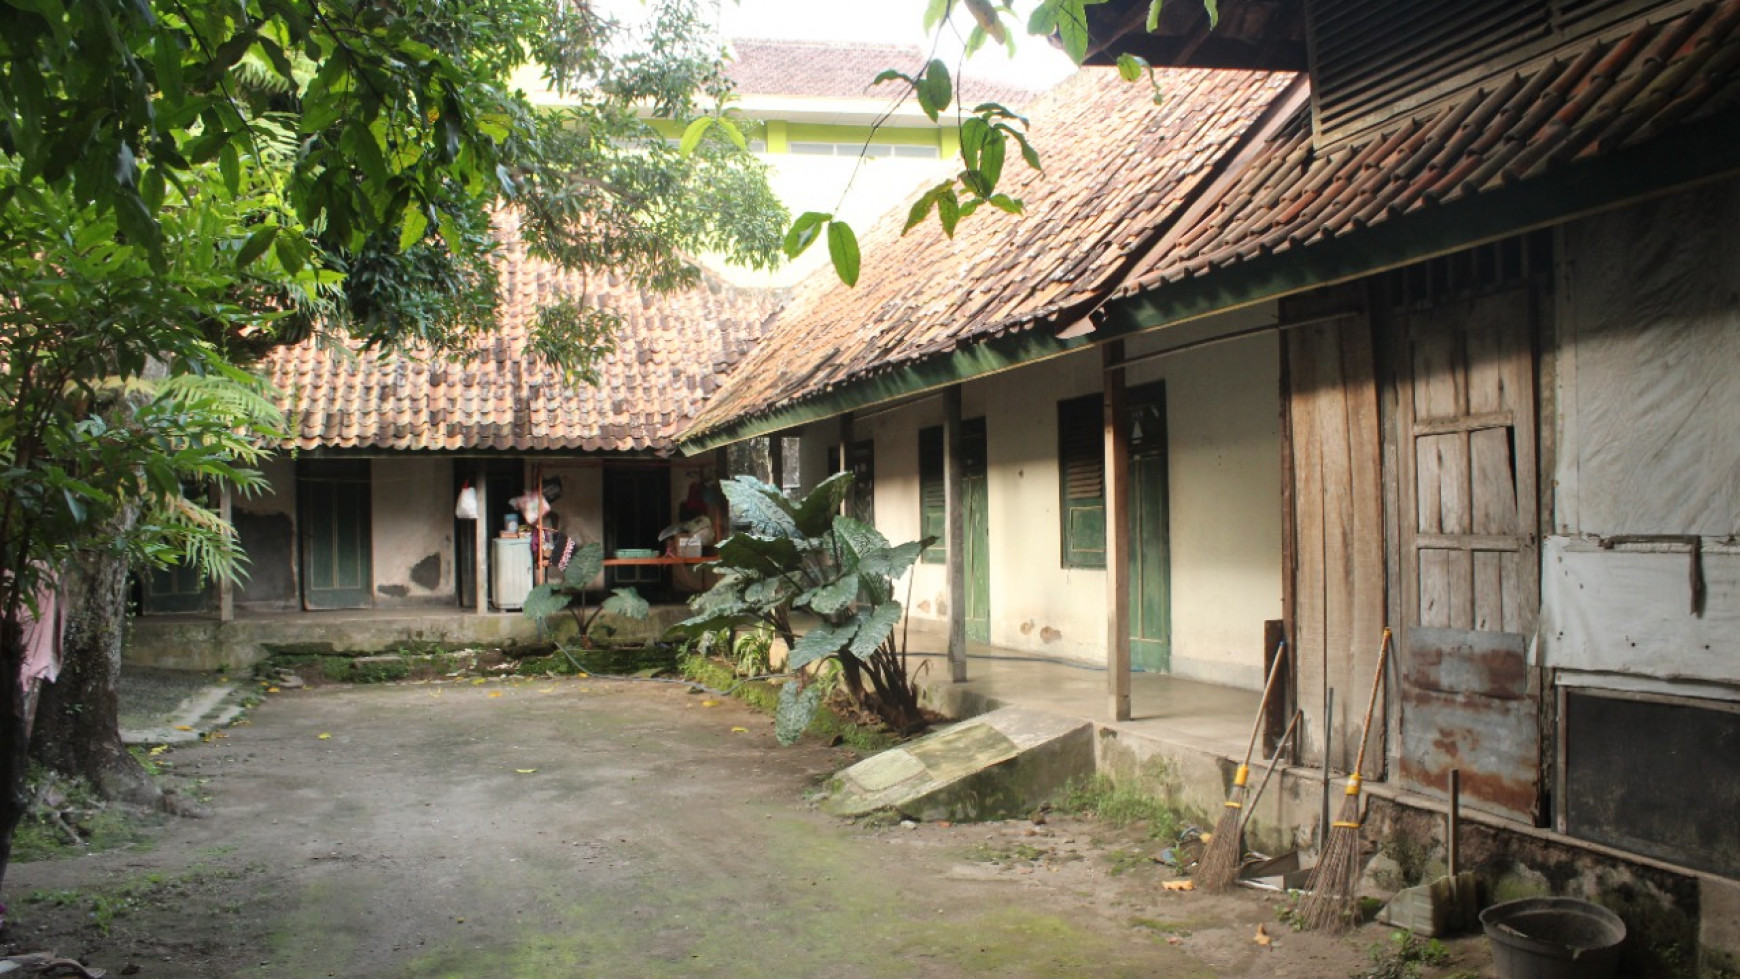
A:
1599, 96
841, 70
668, 351
1117, 168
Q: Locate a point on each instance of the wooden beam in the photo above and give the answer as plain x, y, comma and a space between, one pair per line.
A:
226, 587
480, 555
955, 518
843, 463
1117, 430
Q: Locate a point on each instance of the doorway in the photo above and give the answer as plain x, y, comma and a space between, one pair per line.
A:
975, 513
637, 505
337, 548
1150, 534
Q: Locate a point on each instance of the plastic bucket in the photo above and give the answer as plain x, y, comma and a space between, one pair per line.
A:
1553, 938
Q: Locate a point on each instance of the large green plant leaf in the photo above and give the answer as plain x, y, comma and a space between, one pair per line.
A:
815, 514
763, 507
862, 538
797, 707
626, 602
768, 592
831, 597
585, 565
892, 562
819, 643
873, 627
544, 601
725, 616
758, 555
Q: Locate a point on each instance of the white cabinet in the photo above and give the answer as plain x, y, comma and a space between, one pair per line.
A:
510, 571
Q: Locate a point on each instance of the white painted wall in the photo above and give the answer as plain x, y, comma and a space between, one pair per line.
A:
412, 499
1223, 404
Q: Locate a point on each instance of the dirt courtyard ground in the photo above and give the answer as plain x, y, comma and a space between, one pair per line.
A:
588, 827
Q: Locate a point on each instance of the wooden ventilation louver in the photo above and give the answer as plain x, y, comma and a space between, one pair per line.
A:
1375, 60
1081, 459
932, 494
1372, 55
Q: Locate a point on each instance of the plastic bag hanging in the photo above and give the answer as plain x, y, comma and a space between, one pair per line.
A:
466, 508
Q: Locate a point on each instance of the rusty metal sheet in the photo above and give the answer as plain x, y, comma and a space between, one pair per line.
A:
1466, 704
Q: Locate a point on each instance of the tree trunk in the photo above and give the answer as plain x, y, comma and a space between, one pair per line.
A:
78, 727
14, 797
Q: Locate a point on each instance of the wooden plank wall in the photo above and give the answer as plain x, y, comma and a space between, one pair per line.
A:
1338, 520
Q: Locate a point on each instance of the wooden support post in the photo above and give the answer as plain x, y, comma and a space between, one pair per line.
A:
955, 520
775, 460
226, 587
480, 553
843, 462
1117, 428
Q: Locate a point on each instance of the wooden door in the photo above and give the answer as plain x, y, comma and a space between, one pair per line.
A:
1470, 576
1339, 584
337, 548
975, 500
1150, 534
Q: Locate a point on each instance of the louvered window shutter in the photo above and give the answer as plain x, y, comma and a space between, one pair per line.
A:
933, 520
1082, 478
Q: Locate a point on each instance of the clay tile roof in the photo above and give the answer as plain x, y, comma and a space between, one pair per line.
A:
835, 69
1117, 168
1597, 97
669, 351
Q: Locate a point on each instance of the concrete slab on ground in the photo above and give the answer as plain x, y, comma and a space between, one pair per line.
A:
173, 706
1000, 764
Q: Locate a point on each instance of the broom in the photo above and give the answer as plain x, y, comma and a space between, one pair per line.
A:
1220, 862
1329, 901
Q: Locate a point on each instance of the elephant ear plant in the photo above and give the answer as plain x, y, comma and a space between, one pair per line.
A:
806, 557
568, 594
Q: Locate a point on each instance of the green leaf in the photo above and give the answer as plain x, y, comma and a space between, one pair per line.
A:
862, 538
544, 601
935, 88
948, 211
1213, 9
1130, 67
832, 597
584, 566
1043, 21
627, 603
921, 209
796, 709
733, 133
843, 251
1153, 23
889, 74
762, 555
1072, 29
991, 161
814, 514
804, 232
256, 245
693, 133
873, 627
818, 644
934, 12
230, 165
416, 223
1007, 204
764, 507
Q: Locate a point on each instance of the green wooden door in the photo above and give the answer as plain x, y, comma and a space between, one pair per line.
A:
1150, 537
975, 504
337, 565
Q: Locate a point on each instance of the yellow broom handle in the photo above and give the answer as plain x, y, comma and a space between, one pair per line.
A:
1377, 683
1262, 709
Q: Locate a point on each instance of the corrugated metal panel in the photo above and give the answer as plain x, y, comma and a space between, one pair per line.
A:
1467, 704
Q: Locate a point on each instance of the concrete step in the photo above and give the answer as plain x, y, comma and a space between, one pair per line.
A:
993, 766
206, 709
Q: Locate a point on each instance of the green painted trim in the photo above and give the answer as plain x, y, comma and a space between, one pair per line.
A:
776, 137
950, 146
979, 360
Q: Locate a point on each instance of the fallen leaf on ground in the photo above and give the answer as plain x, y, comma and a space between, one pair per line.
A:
1263, 936
709, 703
739, 730
477, 682
546, 689
525, 771
1174, 940
184, 727
160, 749
323, 736
1179, 885
273, 690
495, 693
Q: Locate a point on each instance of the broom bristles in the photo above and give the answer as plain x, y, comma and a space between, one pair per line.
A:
1219, 866
1329, 902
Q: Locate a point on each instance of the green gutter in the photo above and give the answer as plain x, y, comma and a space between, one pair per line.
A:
1691, 154
979, 360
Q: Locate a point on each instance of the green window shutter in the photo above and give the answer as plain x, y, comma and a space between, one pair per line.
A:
1081, 467
933, 518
